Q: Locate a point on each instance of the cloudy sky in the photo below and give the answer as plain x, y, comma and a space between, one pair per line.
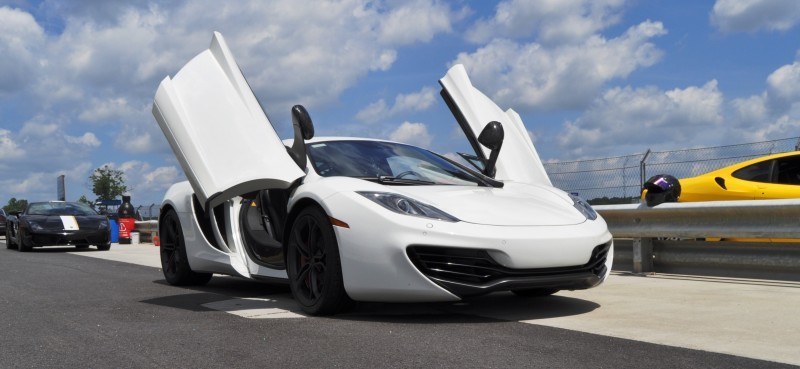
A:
590, 78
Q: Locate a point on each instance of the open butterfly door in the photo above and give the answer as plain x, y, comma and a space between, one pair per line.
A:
221, 136
518, 160
217, 129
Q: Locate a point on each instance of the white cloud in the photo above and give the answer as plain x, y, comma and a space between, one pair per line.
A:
88, 139
751, 109
554, 22
783, 84
416, 101
143, 180
104, 60
20, 38
772, 114
532, 76
641, 118
412, 133
103, 110
56, 151
8, 148
754, 15
35, 128
41, 185
415, 21
373, 112
162, 177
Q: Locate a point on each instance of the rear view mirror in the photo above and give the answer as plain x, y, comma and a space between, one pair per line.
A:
303, 130
492, 137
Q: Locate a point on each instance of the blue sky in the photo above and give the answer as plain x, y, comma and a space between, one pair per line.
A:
589, 78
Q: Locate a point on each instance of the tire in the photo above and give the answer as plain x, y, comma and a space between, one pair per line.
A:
314, 266
174, 262
535, 292
22, 246
9, 244
104, 247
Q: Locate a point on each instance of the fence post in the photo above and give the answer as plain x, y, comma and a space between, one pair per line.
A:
643, 255
643, 170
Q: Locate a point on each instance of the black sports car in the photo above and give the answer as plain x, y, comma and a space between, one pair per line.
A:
2, 221
57, 223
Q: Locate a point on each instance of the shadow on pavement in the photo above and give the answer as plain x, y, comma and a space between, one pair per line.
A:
503, 306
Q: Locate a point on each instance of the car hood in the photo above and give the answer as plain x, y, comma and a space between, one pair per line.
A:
513, 205
54, 222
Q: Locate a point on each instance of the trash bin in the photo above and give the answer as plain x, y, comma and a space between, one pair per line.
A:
114, 228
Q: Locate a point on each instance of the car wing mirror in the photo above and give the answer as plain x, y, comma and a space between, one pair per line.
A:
303, 130
492, 137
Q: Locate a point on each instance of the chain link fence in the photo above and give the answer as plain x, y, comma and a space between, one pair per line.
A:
148, 212
619, 179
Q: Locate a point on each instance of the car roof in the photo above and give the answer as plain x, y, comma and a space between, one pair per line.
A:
342, 138
765, 158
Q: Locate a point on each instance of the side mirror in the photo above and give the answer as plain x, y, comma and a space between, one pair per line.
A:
303, 130
492, 137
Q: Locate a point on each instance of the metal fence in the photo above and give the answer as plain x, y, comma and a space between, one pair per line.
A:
148, 212
619, 179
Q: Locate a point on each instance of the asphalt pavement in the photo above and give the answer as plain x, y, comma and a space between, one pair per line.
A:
61, 309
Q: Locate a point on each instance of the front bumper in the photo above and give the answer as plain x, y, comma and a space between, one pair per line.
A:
471, 272
380, 254
62, 238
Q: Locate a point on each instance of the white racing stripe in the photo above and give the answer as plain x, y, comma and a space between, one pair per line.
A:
69, 222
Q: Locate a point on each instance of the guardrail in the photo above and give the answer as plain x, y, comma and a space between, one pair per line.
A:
763, 220
147, 229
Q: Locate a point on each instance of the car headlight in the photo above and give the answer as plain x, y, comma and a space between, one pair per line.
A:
35, 226
407, 206
583, 207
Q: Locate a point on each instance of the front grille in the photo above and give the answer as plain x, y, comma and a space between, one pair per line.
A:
476, 266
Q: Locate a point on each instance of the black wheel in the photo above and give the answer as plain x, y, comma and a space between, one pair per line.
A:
314, 266
173, 254
22, 246
104, 247
535, 292
9, 244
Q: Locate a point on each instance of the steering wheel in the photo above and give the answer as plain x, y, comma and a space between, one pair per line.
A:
409, 172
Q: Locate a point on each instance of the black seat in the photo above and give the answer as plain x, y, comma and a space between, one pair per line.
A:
258, 230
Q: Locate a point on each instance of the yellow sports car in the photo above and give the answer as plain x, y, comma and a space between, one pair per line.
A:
774, 176
768, 177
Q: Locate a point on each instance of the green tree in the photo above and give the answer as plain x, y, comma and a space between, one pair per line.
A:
86, 201
108, 183
15, 205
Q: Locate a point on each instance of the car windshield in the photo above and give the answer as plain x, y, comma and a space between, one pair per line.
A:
59, 208
388, 163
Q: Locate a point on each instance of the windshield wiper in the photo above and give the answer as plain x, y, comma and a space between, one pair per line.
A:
397, 181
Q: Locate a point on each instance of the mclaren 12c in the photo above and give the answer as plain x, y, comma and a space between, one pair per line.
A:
355, 219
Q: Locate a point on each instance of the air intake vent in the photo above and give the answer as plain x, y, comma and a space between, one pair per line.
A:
476, 266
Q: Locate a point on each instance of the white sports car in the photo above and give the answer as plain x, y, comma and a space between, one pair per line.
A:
344, 219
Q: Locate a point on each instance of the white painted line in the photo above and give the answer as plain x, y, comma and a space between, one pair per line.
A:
255, 308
